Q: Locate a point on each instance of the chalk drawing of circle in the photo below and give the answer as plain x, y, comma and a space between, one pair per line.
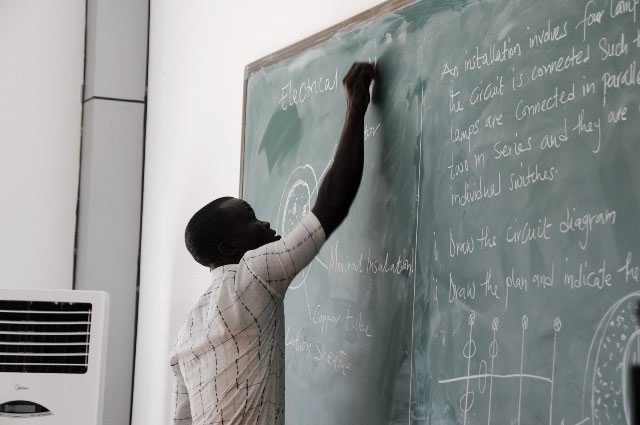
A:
615, 345
557, 324
469, 350
494, 323
493, 348
295, 203
466, 401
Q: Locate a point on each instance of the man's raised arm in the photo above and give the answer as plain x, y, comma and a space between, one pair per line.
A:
341, 182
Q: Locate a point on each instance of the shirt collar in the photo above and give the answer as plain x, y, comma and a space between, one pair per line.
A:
219, 271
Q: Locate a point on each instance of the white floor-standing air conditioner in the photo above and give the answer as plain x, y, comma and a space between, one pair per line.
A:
52, 356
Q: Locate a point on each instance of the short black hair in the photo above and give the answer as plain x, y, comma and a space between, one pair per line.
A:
204, 231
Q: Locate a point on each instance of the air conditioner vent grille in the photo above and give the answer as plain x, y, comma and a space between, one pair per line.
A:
44, 337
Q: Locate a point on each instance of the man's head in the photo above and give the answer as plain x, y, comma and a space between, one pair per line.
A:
223, 230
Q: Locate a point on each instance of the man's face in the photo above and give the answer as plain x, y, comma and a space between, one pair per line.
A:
244, 230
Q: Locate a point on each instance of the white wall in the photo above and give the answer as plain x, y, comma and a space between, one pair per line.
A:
198, 52
42, 51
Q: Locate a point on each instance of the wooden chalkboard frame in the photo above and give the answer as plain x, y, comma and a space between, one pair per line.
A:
311, 41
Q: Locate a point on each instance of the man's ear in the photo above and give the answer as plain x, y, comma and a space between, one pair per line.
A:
228, 249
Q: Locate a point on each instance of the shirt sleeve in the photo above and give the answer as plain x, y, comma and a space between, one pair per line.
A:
181, 406
276, 264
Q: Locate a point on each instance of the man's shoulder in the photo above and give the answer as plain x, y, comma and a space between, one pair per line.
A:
308, 228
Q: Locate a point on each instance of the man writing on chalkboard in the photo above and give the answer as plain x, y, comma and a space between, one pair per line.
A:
228, 359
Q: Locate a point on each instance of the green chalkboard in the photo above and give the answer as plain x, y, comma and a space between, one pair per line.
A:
489, 269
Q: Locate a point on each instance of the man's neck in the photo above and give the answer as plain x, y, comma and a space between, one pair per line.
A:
225, 263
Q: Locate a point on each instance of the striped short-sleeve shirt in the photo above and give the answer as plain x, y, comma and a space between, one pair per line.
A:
228, 358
